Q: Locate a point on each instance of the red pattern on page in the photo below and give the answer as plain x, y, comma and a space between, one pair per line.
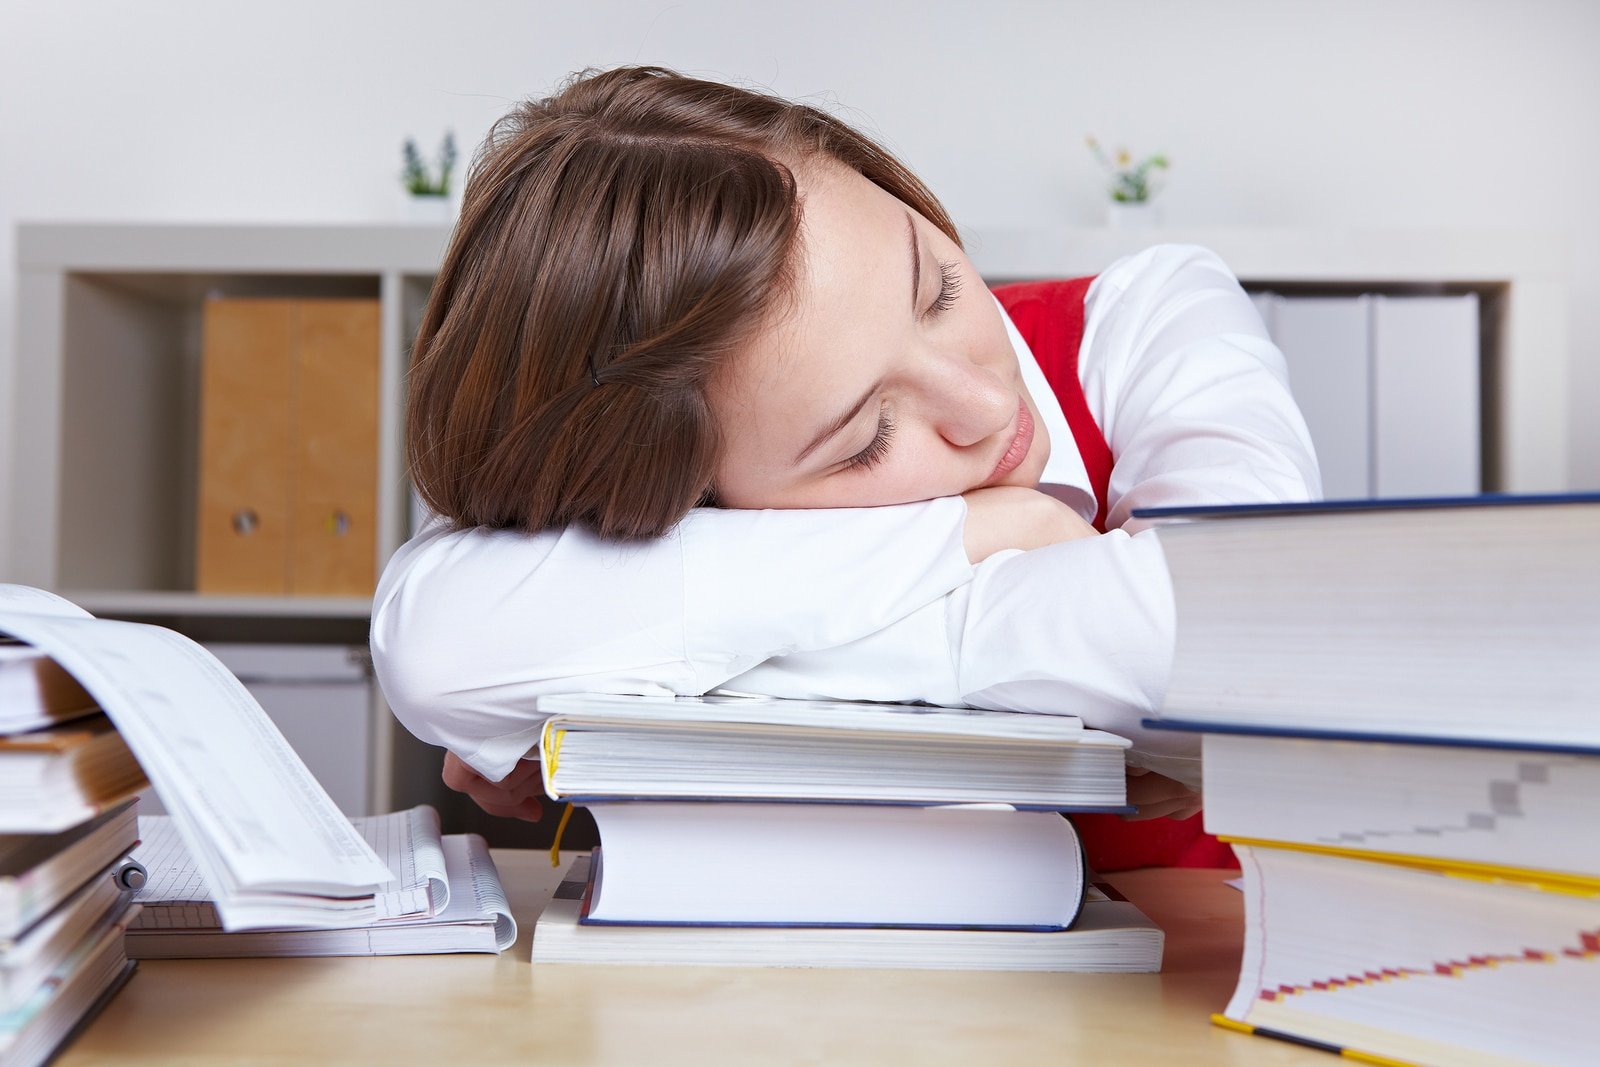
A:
1588, 947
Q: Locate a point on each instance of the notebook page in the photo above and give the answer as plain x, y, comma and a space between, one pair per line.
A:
408, 841
476, 893
488, 892
175, 895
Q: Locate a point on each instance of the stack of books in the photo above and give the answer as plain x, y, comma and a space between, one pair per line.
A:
1401, 707
255, 858
752, 831
68, 803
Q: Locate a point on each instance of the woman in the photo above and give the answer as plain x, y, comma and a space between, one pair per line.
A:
687, 346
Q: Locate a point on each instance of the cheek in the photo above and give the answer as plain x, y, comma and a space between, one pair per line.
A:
983, 334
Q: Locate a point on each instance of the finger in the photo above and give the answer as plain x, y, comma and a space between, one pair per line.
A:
457, 775
1168, 808
525, 771
1158, 792
1186, 813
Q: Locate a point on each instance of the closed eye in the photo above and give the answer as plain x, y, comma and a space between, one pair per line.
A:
949, 288
877, 449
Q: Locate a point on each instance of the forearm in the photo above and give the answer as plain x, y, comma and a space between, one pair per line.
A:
1081, 628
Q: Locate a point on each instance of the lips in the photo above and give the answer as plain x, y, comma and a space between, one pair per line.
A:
1018, 451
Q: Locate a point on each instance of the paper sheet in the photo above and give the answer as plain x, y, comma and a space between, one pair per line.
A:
408, 842
253, 817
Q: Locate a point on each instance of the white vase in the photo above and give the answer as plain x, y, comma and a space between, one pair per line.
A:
1129, 215
434, 210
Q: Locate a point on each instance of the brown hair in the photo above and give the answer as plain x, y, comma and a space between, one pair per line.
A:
618, 242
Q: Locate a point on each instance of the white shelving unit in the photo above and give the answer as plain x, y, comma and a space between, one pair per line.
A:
107, 381
1519, 278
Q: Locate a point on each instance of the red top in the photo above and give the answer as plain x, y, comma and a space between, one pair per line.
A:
1049, 315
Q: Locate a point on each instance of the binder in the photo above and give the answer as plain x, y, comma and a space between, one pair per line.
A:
246, 430
1426, 395
288, 447
334, 500
1325, 343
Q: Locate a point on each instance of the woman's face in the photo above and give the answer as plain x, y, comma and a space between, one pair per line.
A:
890, 377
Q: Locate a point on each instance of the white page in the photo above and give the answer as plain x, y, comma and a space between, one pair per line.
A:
251, 814
476, 893
38, 602
409, 842
844, 715
477, 904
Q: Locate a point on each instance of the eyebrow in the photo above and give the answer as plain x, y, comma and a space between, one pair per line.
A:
836, 425
916, 260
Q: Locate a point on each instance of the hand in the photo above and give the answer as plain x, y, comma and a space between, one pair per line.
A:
1013, 516
519, 795
1156, 795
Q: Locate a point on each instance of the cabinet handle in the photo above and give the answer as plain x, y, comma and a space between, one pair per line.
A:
246, 522
339, 523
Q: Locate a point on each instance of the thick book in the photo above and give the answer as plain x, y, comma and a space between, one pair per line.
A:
1417, 964
39, 871
36, 691
794, 864
474, 917
1111, 934
1491, 806
55, 778
31, 1033
263, 833
27, 962
1473, 618
755, 748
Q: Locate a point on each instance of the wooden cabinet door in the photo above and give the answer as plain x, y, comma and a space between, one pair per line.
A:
246, 426
334, 505
288, 447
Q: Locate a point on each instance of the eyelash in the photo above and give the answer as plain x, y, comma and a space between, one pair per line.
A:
949, 288
874, 452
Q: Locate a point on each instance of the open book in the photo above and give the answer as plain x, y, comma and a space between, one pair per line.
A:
445, 896
265, 837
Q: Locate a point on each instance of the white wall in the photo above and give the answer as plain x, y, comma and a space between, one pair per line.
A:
1372, 112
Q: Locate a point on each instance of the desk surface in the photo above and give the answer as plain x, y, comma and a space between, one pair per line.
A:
499, 1009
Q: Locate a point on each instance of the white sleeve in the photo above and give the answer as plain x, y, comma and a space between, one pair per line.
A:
1190, 393
469, 627
1080, 628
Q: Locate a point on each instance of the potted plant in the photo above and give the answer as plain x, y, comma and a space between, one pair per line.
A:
428, 189
1131, 185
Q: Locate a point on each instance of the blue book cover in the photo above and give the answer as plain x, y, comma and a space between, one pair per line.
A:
1482, 500
1180, 725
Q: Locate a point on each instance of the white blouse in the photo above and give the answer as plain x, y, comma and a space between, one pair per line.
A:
468, 627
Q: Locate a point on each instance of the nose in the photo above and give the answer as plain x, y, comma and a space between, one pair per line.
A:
967, 401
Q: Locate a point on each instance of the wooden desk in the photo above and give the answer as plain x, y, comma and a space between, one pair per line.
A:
445, 1010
